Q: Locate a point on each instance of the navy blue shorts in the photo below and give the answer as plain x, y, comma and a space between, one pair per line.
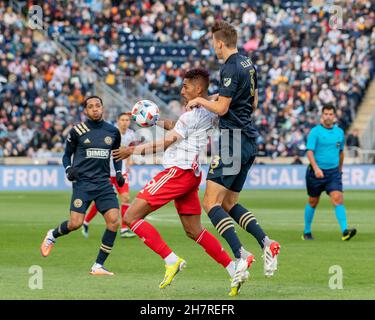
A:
105, 199
227, 174
332, 181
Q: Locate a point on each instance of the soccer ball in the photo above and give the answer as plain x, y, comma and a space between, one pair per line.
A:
145, 113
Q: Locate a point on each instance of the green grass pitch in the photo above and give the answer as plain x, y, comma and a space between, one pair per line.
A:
303, 265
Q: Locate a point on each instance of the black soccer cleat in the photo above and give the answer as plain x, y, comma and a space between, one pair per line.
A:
348, 234
307, 236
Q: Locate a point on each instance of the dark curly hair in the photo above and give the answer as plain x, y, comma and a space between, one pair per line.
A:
198, 73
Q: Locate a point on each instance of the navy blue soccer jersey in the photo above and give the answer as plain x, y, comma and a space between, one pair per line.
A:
91, 143
238, 80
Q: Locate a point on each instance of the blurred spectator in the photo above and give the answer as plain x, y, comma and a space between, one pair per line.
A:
352, 142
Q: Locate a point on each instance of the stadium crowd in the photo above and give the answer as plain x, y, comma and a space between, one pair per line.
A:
41, 92
303, 62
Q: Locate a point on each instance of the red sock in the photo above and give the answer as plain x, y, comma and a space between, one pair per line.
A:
151, 237
213, 248
92, 213
124, 207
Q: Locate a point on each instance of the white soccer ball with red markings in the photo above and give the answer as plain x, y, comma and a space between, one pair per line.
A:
145, 113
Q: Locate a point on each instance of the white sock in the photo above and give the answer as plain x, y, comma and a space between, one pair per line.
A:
171, 259
86, 223
50, 235
96, 266
124, 229
231, 268
267, 241
244, 253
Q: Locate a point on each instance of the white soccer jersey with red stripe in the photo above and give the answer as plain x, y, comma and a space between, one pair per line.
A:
126, 139
193, 126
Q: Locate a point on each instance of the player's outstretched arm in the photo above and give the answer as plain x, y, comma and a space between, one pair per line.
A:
147, 148
220, 106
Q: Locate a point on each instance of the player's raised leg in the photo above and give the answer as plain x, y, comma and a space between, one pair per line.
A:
337, 200
74, 223
111, 218
137, 211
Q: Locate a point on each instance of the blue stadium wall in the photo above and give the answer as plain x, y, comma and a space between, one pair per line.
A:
18, 178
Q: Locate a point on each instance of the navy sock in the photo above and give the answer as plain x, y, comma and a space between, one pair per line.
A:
61, 230
248, 222
224, 225
106, 247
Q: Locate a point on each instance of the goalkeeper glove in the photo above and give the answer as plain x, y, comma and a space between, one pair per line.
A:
120, 179
71, 174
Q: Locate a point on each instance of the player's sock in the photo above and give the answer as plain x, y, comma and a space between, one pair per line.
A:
341, 216
106, 247
151, 237
124, 207
213, 248
171, 259
309, 215
231, 268
248, 222
92, 213
224, 225
61, 230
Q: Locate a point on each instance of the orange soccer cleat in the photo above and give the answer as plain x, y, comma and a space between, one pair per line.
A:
47, 244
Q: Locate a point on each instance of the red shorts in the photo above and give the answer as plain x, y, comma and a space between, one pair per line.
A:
173, 184
124, 188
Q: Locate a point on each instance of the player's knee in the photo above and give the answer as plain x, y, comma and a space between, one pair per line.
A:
74, 224
124, 198
313, 202
113, 224
337, 200
192, 233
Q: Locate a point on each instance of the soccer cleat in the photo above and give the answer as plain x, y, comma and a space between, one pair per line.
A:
127, 234
100, 271
47, 244
348, 234
240, 276
307, 236
85, 230
171, 271
270, 258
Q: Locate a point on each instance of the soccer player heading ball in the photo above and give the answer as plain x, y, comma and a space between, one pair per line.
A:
236, 101
90, 143
179, 181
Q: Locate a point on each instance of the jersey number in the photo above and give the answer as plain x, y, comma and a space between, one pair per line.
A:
252, 83
214, 163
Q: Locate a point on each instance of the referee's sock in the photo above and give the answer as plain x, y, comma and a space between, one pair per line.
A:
309, 215
224, 225
248, 222
61, 230
341, 216
106, 247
